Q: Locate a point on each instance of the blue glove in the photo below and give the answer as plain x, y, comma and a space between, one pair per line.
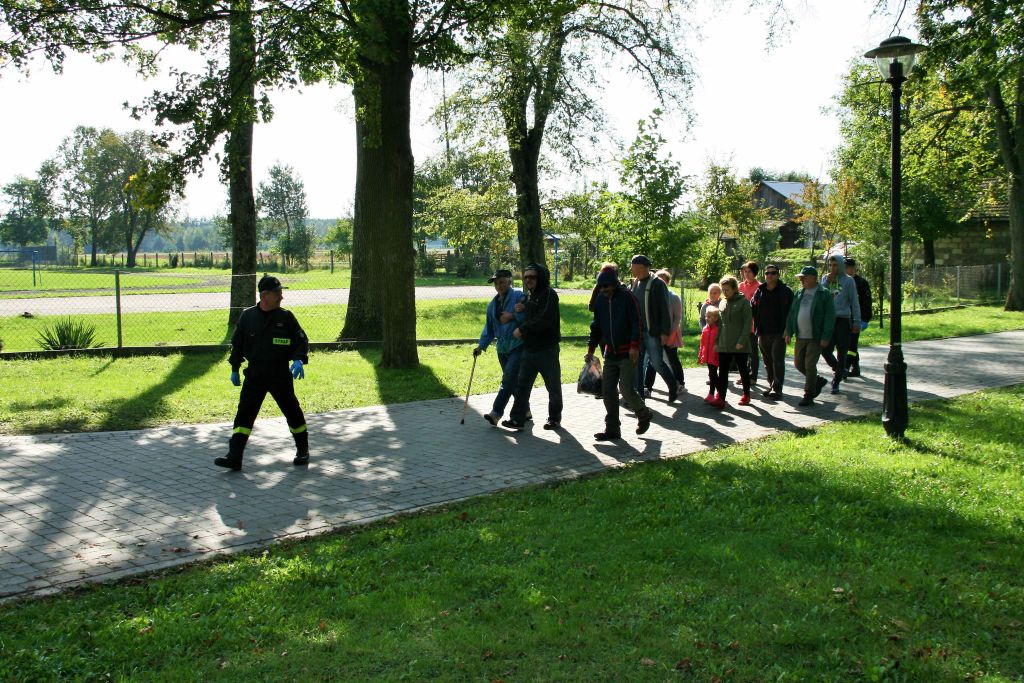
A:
297, 371
235, 379
864, 325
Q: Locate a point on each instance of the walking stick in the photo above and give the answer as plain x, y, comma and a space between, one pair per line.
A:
468, 389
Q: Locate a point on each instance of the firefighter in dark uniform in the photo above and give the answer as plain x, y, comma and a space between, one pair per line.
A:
268, 337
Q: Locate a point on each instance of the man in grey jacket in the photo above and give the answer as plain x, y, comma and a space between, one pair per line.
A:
847, 305
652, 294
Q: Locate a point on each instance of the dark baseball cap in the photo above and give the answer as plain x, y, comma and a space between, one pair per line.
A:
501, 272
851, 262
641, 259
808, 270
606, 277
269, 283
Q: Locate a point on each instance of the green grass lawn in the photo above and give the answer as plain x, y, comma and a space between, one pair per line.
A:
63, 282
99, 394
435, 319
830, 555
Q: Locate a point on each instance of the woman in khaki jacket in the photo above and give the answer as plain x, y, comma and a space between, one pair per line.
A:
733, 340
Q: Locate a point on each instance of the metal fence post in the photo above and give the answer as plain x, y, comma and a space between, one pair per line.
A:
117, 300
958, 285
332, 262
913, 288
999, 281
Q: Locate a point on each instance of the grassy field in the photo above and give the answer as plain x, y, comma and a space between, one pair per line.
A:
435, 319
62, 282
98, 394
830, 555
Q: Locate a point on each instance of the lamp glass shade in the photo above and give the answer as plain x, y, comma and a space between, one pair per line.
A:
895, 49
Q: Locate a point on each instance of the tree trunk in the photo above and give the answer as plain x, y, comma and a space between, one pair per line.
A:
238, 148
382, 301
524, 158
929, 252
95, 229
1015, 294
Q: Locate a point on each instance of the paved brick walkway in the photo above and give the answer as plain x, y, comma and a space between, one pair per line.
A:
95, 507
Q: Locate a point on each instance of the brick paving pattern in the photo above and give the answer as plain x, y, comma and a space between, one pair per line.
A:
76, 508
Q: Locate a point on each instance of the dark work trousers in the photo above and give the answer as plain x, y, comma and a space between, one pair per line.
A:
725, 361
618, 378
773, 349
672, 355
543, 362
853, 354
280, 385
754, 360
838, 346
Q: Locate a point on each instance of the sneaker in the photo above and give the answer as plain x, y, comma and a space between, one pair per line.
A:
513, 425
492, 417
301, 458
710, 397
821, 385
552, 424
607, 436
744, 400
767, 393
835, 386
853, 373
529, 417
717, 403
806, 401
231, 461
777, 395
643, 421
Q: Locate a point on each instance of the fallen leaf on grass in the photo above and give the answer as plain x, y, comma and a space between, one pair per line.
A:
647, 661
146, 629
683, 665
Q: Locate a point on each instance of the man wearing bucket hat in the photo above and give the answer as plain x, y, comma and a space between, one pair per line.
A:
811, 319
268, 337
501, 322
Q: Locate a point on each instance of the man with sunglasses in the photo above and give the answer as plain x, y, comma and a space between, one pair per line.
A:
617, 329
771, 303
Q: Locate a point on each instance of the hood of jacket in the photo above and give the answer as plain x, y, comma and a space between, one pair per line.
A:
543, 275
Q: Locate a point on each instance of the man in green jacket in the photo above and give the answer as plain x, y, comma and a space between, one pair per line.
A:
812, 319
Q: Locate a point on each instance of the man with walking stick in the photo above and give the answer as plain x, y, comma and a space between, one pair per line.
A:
501, 322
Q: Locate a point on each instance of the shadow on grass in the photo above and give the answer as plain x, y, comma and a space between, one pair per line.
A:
140, 408
399, 385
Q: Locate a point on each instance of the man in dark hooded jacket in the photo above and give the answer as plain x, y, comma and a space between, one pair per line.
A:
540, 332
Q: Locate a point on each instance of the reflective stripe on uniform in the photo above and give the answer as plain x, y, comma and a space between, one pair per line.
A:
297, 430
242, 430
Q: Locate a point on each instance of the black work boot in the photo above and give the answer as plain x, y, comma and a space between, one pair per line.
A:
301, 449
643, 421
236, 446
232, 461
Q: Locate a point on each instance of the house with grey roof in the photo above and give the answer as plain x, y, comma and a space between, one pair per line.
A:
781, 196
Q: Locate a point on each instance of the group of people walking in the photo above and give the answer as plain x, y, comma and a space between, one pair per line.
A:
744, 324
637, 327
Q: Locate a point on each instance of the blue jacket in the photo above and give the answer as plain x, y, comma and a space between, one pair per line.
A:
494, 329
617, 324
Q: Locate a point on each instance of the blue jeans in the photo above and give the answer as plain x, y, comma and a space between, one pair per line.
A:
653, 352
509, 363
545, 362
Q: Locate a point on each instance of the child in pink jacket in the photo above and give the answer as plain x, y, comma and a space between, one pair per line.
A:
708, 354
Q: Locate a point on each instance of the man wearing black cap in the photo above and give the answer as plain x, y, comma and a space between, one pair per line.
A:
268, 337
616, 329
652, 295
501, 322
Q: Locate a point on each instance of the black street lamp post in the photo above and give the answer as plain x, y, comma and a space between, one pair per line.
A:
895, 59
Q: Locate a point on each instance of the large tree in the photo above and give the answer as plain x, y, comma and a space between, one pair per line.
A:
86, 187
25, 220
946, 157
540, 75
978, 48
281, 201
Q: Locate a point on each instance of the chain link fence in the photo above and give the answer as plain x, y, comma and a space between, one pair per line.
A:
44, 308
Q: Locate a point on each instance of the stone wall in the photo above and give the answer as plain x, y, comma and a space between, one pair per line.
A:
980, 244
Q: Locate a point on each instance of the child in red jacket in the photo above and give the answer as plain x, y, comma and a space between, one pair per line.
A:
708, 355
